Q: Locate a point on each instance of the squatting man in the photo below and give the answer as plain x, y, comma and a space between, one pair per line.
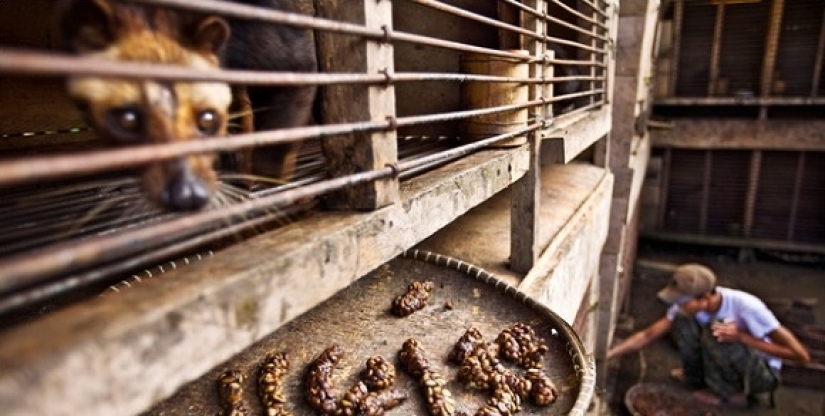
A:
731, 345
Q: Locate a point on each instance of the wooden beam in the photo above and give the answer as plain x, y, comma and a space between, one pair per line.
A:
753, 191
678, 17
771, 47
761, 243
568, 137
704, 202
741, 101
526, 204
716, 48
742, 134
132, 349
347, 103
820, 56
797, 189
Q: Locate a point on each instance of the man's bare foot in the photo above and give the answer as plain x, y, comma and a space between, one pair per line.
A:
710, 398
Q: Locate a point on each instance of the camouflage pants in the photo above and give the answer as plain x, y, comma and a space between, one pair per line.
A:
725, 368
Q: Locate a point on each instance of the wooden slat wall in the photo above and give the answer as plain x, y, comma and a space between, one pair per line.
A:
708, 193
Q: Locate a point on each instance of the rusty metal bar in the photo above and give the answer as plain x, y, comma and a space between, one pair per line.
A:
579, 14
242, 11
595, 8
437, 5
27, 169
549, 18
309, 22
32, 63
29, 62
457, 11
58, 287
35, 267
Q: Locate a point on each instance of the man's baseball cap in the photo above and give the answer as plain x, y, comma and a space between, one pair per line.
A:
688, 280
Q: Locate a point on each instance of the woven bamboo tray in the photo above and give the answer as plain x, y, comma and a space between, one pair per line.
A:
359, 320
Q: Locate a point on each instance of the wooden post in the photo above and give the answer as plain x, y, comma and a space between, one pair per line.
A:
348, 154
718, 28
819, 58
769, 58
753, 191
678, 16
525, 202
797, 188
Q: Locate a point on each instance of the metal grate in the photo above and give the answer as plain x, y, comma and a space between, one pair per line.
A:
73, 219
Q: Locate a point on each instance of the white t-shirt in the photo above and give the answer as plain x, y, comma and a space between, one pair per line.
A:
748, 312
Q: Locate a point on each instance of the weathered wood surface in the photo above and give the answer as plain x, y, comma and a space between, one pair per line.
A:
569, 136
359, 320
742, 134
526, 200
568, 192
344, 103
118, 355
567, 265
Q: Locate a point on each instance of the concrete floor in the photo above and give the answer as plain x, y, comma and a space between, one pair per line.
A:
762, 276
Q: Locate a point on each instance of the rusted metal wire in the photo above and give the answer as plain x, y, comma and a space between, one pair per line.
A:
29, 169
457, 11
553, 19
38, 266
580, 14
53, 288
31, 63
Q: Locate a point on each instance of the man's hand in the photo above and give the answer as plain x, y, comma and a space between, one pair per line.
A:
725, 331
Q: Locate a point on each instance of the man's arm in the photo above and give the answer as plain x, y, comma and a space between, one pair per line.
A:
639, 339
783, 343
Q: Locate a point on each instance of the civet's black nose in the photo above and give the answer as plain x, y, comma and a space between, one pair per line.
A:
185, 192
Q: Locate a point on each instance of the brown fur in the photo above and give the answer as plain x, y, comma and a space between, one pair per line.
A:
167, 112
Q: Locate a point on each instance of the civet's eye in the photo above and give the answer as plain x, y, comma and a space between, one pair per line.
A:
208, 122
125, 123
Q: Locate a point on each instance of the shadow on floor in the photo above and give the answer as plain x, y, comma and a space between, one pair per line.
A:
764, 276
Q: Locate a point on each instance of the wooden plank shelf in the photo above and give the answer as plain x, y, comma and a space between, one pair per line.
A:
741, 134
575, 203
120, 354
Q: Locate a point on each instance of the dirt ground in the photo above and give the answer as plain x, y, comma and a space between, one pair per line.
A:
763, 274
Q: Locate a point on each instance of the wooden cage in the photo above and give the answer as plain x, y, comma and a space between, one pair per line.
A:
739, 161
110, 305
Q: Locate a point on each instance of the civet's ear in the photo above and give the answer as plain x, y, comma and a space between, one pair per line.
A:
211, 34
86, 25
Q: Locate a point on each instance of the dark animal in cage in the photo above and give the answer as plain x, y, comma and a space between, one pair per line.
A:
142, 111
